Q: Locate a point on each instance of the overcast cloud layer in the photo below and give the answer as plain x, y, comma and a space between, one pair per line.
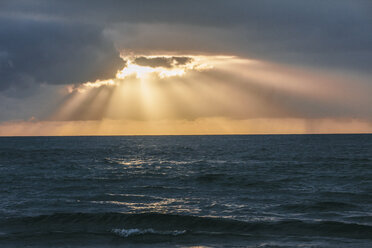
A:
45, 42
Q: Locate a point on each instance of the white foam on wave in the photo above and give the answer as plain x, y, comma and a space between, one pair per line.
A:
133, 232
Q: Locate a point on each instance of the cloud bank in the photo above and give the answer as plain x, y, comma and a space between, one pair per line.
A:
317, 56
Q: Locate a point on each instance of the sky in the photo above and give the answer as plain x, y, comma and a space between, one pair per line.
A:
185, 67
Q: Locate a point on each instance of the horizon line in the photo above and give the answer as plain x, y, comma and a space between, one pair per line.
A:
143, 135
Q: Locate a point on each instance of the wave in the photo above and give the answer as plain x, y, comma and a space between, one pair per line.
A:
132, 232
127, 225
321, 206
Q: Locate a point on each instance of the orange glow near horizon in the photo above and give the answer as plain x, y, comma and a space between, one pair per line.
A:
206, 126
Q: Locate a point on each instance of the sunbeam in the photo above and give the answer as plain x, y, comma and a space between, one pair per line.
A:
219, 87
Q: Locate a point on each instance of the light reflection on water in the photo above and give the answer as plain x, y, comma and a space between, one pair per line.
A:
276, 187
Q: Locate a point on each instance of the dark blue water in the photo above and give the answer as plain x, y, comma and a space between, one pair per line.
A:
183, 191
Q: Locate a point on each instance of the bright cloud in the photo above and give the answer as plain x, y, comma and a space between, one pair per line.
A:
163, 66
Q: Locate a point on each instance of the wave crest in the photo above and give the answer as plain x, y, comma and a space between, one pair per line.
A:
135, 231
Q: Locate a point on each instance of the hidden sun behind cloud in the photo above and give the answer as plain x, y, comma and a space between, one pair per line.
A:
145, 67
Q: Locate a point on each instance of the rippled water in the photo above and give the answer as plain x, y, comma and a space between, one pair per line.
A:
167, 191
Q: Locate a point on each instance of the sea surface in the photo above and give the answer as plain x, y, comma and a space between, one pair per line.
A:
186, 191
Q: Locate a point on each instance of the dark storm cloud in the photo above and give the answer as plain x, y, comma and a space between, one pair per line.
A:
60, 42
166, 62
54, 53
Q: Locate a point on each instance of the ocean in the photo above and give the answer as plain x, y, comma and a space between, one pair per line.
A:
186, 191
